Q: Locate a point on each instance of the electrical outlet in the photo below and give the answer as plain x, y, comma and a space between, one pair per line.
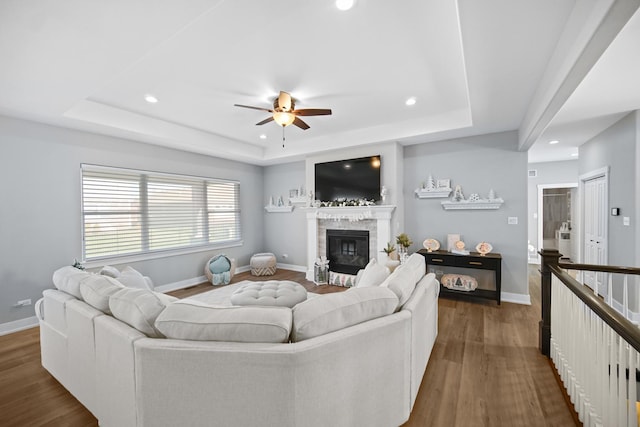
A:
626, 220
23, 303
512, 220
285, 256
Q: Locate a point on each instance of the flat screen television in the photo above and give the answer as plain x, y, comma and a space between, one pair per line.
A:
352, 179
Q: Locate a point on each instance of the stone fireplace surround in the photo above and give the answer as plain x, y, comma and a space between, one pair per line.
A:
376, 219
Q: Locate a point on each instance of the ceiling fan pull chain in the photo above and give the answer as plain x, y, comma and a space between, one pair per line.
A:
282, 136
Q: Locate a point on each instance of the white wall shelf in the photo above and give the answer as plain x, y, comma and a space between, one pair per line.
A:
275, 209
479, 204
423, 193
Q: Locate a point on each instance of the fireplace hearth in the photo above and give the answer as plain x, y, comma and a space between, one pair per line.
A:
347, 250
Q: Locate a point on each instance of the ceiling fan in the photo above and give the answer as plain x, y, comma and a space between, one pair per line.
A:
285, 114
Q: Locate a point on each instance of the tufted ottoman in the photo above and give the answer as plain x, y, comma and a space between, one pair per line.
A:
272, 292
263, 264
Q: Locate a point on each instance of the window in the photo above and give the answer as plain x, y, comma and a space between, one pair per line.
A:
127, 212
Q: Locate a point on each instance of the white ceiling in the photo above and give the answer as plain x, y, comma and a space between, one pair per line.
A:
474, 67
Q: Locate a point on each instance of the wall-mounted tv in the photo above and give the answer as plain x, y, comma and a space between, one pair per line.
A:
352, 179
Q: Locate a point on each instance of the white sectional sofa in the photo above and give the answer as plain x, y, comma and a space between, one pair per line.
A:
365, 373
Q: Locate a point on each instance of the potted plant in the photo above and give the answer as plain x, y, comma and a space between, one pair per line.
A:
390, 250
403, 242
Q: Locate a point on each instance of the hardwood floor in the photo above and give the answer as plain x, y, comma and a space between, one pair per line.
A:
485, 370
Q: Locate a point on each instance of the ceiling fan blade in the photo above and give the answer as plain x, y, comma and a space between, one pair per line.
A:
284, 101
302, 125
267, 120
313, 112
253, 108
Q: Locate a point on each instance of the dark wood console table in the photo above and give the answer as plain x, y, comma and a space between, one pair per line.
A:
490, 261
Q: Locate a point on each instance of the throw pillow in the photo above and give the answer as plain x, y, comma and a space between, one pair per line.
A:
68, 279
332, 312
110, 271
193, 320
133, 279
96, 290
139, 308
373, 275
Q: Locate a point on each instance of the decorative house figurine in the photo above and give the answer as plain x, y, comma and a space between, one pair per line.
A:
492, 194
280, 201
271, 201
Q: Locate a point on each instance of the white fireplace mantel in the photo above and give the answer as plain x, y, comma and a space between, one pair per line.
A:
351, 215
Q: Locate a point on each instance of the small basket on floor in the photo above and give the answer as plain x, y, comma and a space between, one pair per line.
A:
209, 274
263, 264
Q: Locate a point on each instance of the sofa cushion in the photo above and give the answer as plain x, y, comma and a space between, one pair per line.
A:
193, 320
372, 275
68, 279
404, 279
96, 290
139, 308
110, 271
133, 279
328, 313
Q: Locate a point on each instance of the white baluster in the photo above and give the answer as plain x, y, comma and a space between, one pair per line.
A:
632, 414
625, 298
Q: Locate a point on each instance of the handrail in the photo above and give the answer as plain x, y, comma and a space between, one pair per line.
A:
600, 268
627, 330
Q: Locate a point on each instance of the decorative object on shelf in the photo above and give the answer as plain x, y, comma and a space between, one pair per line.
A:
293, 193
384, 192
451, 241
432, 189
431, 245
392, 257
459, 282
297, 197
321, 271
457, 194
280, 201
484, 248
459, 248
271, 201
444, 184
474, 201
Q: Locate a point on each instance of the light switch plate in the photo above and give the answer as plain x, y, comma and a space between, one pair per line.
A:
625, 220
512, 220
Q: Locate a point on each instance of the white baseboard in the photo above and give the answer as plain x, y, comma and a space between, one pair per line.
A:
515, 298
181, 284
292, 267
18, 325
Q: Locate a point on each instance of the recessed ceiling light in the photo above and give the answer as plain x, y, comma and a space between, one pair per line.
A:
555, 141
150, 98
411, 101
345, 4
263, 136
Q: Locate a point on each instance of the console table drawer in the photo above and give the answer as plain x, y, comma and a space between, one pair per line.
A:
476, 262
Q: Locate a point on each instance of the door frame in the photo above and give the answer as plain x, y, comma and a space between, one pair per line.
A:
597, 173
541, 188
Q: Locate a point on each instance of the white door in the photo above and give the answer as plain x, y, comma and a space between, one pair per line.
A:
595, 228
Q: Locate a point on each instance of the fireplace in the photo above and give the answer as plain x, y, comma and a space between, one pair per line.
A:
347, 250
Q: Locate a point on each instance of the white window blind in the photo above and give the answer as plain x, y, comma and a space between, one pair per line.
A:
127, 212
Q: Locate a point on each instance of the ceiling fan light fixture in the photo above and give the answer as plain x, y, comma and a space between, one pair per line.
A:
283, 118
150, 98
345, 4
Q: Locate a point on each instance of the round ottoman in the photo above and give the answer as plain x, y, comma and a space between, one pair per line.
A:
281, 293
263, 264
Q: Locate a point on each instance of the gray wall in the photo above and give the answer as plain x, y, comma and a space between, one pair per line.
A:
285, 233
478, 164
615, 148
40, 209
548, 173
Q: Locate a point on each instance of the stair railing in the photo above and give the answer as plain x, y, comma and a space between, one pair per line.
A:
594, 347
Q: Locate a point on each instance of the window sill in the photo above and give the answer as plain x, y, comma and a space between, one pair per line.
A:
127, 259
